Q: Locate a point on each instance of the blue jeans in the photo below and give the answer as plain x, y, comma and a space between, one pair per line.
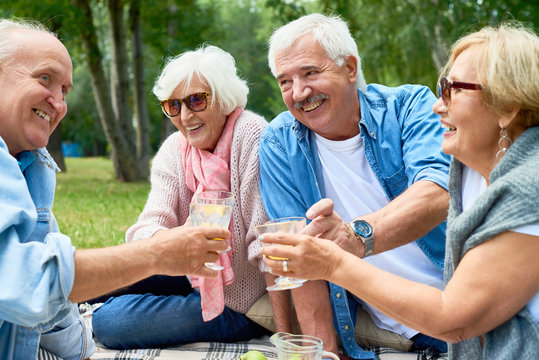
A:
423, 342
149, 321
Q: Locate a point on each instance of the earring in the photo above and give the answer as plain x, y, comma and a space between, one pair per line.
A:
503, 139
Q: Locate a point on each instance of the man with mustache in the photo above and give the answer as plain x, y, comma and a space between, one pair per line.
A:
374, 152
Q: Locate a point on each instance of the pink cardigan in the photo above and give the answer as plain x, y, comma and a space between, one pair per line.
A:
169, 198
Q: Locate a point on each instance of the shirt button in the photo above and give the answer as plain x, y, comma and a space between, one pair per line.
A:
346, 327
372, 133
339, 295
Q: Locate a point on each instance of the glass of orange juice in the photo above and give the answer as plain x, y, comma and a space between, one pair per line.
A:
290, 225
212, 209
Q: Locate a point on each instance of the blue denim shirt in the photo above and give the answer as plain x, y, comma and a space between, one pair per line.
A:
36, 264
402, 138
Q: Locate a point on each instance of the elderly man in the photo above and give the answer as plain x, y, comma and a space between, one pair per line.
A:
40, 271
375, 152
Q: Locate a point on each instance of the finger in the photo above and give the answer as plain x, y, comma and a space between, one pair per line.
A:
317, 227
207, 272
323, 207
217, 244
275, 266
278, 252
279, 238
215, 232
211, 256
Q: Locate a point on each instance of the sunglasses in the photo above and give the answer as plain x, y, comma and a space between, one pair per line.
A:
194, 102
445, 85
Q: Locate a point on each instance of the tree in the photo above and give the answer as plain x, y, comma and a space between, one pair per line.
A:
130, 161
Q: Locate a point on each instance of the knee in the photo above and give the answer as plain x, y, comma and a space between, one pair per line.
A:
106, 326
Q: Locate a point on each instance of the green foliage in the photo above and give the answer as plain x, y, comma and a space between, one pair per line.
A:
92, 207
400, 41
407, 41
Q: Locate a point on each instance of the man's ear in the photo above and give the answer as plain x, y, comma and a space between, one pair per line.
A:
350, 64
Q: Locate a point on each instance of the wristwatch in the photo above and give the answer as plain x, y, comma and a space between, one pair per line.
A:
363, 231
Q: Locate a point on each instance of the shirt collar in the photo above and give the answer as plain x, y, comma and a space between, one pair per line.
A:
25, 159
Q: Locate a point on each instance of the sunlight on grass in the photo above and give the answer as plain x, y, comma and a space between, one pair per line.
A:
92, 207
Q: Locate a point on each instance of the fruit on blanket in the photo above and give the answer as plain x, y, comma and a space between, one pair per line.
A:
253, 355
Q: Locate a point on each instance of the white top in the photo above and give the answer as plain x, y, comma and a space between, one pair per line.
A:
473, 185
355, 191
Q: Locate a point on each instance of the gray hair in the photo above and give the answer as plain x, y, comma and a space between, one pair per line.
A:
9, 27
331, 32
214, 67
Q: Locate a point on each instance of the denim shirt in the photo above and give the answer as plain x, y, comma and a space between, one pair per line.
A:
402, 138
36, 264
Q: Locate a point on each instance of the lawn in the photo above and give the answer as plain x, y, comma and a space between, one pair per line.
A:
92, 207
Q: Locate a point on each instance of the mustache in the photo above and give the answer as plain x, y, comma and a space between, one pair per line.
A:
300, 104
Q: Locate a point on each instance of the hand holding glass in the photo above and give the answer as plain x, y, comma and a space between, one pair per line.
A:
212, 209
290, 225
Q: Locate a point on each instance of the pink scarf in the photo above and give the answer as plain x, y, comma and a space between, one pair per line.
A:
205, 170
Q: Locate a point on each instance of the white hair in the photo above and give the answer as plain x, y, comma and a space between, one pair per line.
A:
8, 44
214, 67
331, 32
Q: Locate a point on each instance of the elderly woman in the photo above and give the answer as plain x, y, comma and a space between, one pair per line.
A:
215, 149
489, 309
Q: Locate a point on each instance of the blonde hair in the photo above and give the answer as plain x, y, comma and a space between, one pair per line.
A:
507, 68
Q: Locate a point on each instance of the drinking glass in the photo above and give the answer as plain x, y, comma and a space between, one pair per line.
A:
212, 209
290, 225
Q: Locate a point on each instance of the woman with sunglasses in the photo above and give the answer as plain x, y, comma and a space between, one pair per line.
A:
489, 309
216, 148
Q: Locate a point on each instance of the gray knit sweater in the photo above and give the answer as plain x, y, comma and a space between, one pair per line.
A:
511, 200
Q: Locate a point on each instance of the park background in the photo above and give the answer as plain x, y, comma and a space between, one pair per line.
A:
118, 48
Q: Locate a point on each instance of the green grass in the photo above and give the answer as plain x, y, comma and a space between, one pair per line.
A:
93, 208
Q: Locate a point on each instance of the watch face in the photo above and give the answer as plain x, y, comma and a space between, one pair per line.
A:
362, 228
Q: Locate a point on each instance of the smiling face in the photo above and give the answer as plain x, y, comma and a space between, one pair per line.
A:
319, 93
472, 127
202, 129
33, 87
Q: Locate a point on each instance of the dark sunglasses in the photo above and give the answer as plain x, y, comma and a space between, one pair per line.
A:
445, 85
194, 102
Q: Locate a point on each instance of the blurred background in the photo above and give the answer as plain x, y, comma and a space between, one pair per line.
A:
118, 48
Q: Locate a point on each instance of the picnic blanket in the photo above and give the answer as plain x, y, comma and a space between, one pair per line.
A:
219, 351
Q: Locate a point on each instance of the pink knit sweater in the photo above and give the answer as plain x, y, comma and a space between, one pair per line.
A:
169, 199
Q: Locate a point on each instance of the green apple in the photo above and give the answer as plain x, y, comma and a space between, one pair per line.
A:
253, 355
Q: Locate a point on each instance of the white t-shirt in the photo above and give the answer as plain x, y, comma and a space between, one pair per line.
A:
473, 185
355, 191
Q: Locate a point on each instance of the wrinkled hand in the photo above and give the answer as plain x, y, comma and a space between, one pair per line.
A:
327, 224
308, 257
184, 250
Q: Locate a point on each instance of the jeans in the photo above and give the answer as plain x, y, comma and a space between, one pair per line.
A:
149, 321
422, 342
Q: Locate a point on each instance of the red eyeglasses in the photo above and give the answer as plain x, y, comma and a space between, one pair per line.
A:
195, 102
445, 85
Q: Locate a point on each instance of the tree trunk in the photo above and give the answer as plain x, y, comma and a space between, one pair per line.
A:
119, 77
122, 154
141, 110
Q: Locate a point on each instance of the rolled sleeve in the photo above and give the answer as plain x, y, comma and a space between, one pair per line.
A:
36, 277
36, 293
